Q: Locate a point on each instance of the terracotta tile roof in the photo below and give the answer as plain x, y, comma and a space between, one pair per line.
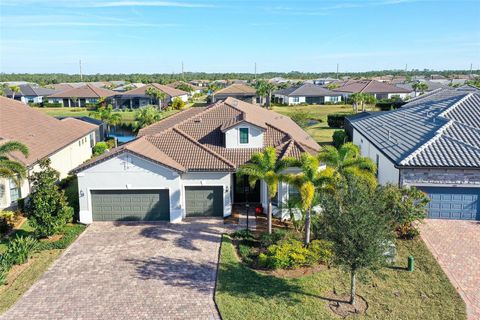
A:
237, 88
86, 91
42, 134
172, 92
369, 86
193, 140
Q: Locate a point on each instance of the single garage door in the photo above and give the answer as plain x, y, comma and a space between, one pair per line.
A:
453, 203
204, 201
130, 205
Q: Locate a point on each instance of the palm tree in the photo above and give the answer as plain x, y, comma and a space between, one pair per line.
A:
11, 169
309, 181
146, 116
156, 94
108, 116
264, 90
356, 99
368, 99
267, 167
347, 161
14, 89
420, 86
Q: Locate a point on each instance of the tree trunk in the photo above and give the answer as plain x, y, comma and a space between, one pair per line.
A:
353, 287
363, 106
269, 99
355, 105
307, 227
269, 215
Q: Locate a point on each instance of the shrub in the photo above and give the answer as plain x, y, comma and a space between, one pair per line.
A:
339, 138
7, 221
69, 185
19, 249
242, 234
52, 105
301, 118
47, 206
337, 120
267, 239
100, 148
178, 104
321, 250
69, 234
5, 265
288, 254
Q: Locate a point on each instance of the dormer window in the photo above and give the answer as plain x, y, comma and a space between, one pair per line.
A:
243, 135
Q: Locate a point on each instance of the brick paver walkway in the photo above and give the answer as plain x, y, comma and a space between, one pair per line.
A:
130, 271
456, 245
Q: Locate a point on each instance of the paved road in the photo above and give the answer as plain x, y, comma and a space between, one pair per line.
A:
456, 245
130, 271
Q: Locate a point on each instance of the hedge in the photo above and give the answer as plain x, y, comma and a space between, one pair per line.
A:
337, 120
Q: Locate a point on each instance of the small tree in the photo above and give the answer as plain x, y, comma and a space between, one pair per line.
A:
333, 85
358, 228
146, 116
178, 103
419, 87
405, 206
301, 117
15, 90
108, 116
47, 208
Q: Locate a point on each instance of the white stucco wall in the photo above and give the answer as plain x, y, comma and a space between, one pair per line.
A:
291, 100
387, 173
128, 172
255, 137
219, 179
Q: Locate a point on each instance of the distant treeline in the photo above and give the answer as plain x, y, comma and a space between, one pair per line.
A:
52, 78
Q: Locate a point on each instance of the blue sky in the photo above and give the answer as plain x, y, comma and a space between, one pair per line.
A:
147, 36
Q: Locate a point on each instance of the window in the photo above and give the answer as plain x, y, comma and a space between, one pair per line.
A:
334, 99
296, 99
243, 135
14, 191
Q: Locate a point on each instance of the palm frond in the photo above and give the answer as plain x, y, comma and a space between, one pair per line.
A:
16, 167
12, 146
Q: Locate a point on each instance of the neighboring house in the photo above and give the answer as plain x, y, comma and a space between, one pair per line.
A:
67, 143
128, 86
29, 93
193, 89
433, 143
81, 96
307, 93
238, 91
138, 98
432, 86
378, 89
200, 83
185, 165
60, 86
100, 131
323, 81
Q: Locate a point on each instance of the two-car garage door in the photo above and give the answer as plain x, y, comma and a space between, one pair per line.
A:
130, 205
453, 203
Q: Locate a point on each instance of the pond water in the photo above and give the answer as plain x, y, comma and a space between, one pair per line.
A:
312, 122
122, 132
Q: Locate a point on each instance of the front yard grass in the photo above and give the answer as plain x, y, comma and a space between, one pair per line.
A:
320, 131
392, 293
22, 277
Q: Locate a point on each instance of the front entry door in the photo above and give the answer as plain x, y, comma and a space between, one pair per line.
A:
243, 193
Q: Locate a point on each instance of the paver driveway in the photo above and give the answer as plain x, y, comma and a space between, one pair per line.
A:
456, 245
130, 271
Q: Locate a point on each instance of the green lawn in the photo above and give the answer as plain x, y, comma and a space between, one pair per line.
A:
393, 293
26, 275
321, 132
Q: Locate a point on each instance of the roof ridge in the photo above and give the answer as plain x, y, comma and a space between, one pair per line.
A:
366, 86
428, 94
202, 146
455, 105
438, 135
461, 142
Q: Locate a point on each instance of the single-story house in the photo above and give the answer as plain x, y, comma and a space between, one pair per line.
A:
185, 165
432, 143
67, 143
238, 91
307, 93
29, 93
323, 81
81, 96
137, 98
431, 86
378, 89
193, 89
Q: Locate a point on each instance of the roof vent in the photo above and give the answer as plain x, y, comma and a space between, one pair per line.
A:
198, 120
388, 134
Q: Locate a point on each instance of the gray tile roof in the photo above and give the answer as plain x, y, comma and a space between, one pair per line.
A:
307, 90
439, 129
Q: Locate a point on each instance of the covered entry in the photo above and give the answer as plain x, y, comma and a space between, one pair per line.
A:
130, 205
204, 201
453, 203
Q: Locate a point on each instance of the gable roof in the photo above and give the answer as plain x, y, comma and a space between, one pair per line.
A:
85, 91
237, 89
440, 129
307, 90
369, 86
172, 92
42, 134
193, 140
